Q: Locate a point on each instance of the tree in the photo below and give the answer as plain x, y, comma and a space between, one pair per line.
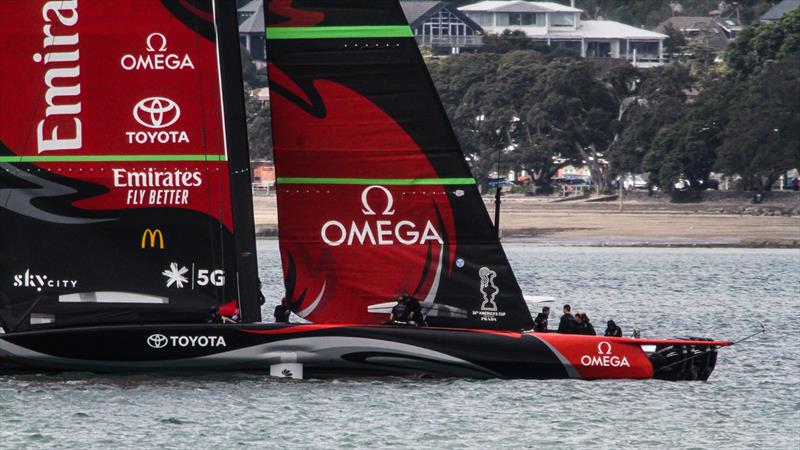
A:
648, 101
758, 45
675, 40
569, 105
259, 129
761, 140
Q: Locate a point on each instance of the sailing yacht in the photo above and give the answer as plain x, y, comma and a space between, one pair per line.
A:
127, 215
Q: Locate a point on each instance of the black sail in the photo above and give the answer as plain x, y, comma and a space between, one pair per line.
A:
124, 174
375, 198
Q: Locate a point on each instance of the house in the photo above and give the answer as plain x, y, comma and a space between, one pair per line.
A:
776, 12
263, 175
247, 8
441, 26
558, 25
252, 31
712, 31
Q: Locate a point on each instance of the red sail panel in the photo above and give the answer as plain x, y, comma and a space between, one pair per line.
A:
374, 196
113, 164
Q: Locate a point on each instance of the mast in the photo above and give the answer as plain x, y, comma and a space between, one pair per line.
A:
226, 23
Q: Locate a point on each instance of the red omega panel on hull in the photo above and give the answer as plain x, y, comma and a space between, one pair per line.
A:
598, 357
113, 163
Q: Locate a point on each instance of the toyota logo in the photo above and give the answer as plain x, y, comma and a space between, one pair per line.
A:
157, 341
156, 112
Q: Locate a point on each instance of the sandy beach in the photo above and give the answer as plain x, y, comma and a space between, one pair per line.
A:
721, 220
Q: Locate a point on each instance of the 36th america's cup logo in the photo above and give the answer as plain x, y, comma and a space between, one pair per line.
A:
379, 226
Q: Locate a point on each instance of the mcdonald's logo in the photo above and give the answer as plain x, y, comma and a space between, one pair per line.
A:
152, 235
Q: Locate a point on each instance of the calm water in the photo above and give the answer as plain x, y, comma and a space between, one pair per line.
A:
750, 401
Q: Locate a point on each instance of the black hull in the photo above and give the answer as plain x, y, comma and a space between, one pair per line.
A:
342, 350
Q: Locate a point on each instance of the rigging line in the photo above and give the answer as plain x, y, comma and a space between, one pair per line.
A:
715, 348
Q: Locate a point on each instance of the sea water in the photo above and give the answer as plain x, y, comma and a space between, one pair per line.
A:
751, 400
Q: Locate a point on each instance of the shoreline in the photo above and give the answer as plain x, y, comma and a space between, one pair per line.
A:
725, 220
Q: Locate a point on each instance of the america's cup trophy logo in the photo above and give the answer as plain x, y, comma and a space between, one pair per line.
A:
488, 289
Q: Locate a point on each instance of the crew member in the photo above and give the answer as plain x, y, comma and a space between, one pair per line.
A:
261, 298
613, 329
282, 311
229, 312
540, 323
567, 323
407, 311
583, 325
414, 311
399, 313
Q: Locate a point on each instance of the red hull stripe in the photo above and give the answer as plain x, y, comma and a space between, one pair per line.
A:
380, 181
348, 32
108, 158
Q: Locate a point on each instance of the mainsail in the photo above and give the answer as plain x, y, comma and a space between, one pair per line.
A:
122, 145
375, 198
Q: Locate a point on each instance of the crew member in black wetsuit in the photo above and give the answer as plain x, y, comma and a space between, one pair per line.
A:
567, 323
261, 298
407, 311
540, 323
282, 311
414, 311
400, 311
583, 326
613, 329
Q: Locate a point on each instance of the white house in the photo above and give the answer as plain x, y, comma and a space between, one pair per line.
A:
561, 26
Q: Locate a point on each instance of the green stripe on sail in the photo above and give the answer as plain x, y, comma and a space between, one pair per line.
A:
380, 181
379, 31
108, 158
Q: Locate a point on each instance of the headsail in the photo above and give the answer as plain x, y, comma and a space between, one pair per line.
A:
375, 198
121, 147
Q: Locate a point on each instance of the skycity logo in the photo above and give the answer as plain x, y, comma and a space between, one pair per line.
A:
61, 79
159, 341
157, 113
378, 232
39, 282
604, 358
156, 57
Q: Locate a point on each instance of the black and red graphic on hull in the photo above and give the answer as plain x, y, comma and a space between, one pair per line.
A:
375, 198
114, 175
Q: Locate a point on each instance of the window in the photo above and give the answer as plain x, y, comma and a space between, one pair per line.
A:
481, 18
562, 20
522, 19
502, 19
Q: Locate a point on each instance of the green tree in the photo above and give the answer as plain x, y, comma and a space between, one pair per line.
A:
649, 100
675, 40
761, 139
758, 45
259, 129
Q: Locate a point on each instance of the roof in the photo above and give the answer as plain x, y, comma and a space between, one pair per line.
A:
684, 23
416, 11
594, 29
252, 7
518, 6
777, 11
255, 23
